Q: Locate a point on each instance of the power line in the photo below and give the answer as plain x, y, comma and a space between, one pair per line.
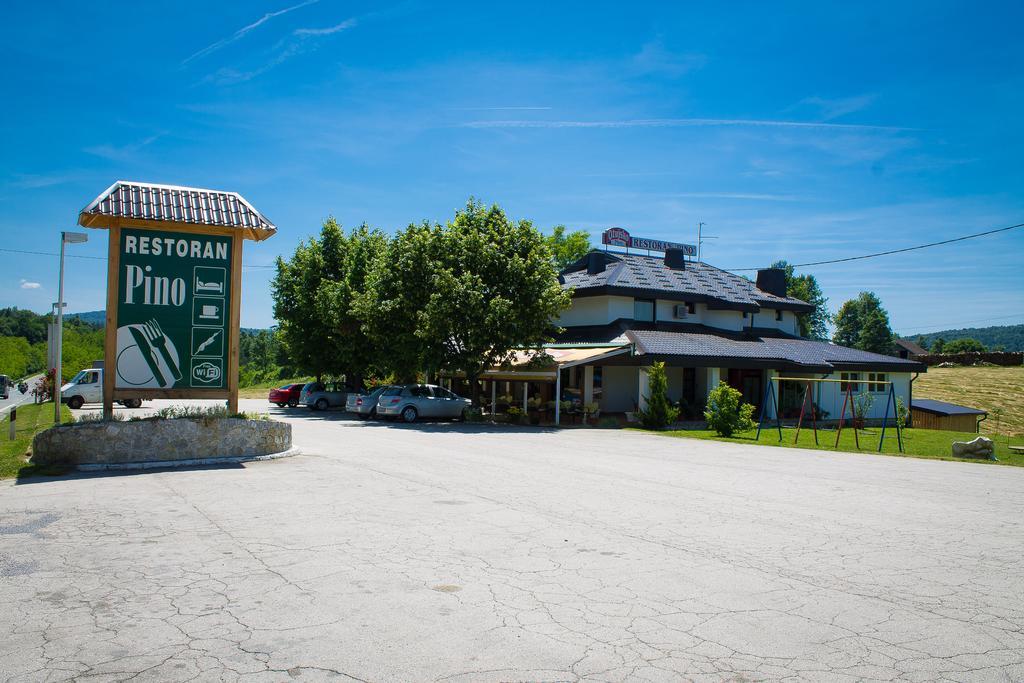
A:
98, 258
893, 251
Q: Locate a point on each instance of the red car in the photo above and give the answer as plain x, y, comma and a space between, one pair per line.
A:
286, 395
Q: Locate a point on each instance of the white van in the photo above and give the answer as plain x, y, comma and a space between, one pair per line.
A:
87, 387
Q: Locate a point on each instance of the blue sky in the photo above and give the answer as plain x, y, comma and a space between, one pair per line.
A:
798, 131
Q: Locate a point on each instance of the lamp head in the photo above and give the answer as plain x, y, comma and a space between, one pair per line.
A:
74, 237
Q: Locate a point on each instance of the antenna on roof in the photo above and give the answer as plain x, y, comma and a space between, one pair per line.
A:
701, 237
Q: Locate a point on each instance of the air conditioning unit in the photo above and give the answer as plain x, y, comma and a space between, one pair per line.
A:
679, 312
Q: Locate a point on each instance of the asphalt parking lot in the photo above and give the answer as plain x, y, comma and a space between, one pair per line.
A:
470, 553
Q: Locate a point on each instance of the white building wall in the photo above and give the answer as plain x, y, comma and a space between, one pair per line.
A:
590, 310
675, 382
829, 395
619, 307
766, 318
620, 386
725, 320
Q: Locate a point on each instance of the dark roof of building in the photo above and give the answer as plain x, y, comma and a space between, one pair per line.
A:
911, 347
127, 202
701, 345
942, 408
639, 275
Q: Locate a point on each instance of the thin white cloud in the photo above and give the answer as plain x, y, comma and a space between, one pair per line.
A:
740, 196
299, 41
122, 153
240, 33
348, 23
832, 108
679, 123
500, 108
654, 58
26, 284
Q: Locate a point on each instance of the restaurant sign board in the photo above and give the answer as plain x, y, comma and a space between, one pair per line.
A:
173, 310
619, 237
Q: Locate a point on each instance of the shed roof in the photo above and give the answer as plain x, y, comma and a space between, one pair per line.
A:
942, 408
639, 275
128, 203
912, 347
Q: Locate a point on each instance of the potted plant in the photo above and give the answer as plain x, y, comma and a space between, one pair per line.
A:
862, 403
591, 411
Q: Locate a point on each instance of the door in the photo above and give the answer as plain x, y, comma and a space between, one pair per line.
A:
749, 383
92, 387
424, 401
448, 403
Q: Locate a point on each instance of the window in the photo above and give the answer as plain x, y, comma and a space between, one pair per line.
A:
420, 390
848, 380
778, 315
691, 307
745, 316
441, 392
873, 382
643, 309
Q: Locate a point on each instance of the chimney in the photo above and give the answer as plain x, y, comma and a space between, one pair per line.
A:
675, 259
595, 263
772, 280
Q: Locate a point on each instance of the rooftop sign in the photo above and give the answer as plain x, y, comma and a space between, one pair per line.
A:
619, 237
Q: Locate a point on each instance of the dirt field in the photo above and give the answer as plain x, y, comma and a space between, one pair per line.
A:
985, 388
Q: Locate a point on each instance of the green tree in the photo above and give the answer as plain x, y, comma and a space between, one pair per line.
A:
965, 345
813, 325
393, 302
463, 296
314, 292
863, 324
567, 247
659, 412
938, 346
726, 412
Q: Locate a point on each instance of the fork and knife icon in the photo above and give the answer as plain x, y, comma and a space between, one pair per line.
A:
149, 337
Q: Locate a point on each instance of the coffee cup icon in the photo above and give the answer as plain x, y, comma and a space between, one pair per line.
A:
209, 312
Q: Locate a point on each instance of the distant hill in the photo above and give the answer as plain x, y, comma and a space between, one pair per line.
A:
1011, 337
91, 317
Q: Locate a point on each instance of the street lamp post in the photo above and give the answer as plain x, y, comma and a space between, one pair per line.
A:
65, 238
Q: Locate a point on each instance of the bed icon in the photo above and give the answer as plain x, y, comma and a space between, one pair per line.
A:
217, 287
209, 280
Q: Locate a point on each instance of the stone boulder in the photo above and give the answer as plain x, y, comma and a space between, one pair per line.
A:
977, 448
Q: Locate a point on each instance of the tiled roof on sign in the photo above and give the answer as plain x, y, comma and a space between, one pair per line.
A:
639, 275
134, 201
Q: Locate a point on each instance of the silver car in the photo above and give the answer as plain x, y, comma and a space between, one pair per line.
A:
324, 396
364, 406
413, 401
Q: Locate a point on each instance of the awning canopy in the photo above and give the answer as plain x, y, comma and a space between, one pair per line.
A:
541, 365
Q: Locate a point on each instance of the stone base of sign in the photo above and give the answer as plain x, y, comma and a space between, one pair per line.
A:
161, 443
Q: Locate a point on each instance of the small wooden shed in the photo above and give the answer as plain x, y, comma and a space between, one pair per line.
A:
927, 413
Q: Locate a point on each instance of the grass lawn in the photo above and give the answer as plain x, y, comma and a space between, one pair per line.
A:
261, 390
920, 443
32, 418
985, 388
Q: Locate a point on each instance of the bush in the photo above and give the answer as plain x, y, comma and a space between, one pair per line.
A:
726, 412
902, 414
660, 412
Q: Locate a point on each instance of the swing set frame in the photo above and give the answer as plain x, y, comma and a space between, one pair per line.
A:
848, 399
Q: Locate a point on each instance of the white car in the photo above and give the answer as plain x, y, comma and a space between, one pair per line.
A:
87, 387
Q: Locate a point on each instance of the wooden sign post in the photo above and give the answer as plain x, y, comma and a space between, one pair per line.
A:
174, 281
